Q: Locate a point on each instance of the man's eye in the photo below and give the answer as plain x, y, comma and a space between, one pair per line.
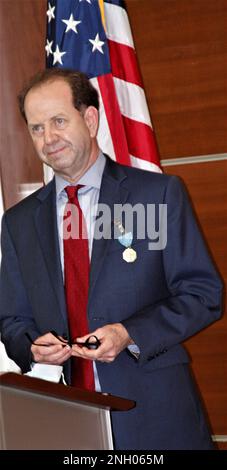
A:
60, 122
37, 129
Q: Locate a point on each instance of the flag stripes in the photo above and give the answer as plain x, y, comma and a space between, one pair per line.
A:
124, 63
141, 139
114, 118
129, 90
117, 24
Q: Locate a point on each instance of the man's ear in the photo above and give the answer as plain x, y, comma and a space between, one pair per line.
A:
91, 117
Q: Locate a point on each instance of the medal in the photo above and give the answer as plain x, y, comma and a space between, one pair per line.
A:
129, 255
125, 239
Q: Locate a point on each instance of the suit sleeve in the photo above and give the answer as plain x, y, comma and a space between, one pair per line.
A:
15, 310
194, 299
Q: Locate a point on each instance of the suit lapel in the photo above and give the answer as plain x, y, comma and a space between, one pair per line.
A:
46, 226
112, 192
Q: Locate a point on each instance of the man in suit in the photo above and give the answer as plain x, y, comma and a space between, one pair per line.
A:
142, 303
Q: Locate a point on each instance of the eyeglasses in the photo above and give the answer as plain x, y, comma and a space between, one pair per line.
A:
92, 342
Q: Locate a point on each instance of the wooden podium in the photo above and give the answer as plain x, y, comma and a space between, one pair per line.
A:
36, 414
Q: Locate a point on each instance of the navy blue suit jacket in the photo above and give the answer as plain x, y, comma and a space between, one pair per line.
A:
162, 298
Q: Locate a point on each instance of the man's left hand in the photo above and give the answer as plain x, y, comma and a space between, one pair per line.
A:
114, 338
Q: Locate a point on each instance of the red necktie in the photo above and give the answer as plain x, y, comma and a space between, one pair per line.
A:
76, 263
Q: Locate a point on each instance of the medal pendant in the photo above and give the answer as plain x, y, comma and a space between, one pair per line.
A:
129, 255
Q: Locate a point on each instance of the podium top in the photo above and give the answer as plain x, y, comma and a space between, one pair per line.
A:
63, 392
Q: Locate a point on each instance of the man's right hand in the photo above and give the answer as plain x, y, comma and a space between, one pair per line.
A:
51, 350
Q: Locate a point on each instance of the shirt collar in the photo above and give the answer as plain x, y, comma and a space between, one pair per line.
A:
91, 179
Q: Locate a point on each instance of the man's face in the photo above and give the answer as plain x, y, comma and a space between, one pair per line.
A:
63, 138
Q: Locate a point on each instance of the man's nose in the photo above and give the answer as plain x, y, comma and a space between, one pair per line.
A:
49, 135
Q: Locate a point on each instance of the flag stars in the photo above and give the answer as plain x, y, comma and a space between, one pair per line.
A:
57, 56
50, 12
97, 44
71, 24
48, 48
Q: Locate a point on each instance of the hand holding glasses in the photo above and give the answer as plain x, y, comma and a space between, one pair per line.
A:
92, 342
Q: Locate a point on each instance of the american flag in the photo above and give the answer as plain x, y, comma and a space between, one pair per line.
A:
94, 37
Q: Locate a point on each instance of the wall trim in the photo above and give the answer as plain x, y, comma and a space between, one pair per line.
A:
25, 189
219, 438
200, 159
